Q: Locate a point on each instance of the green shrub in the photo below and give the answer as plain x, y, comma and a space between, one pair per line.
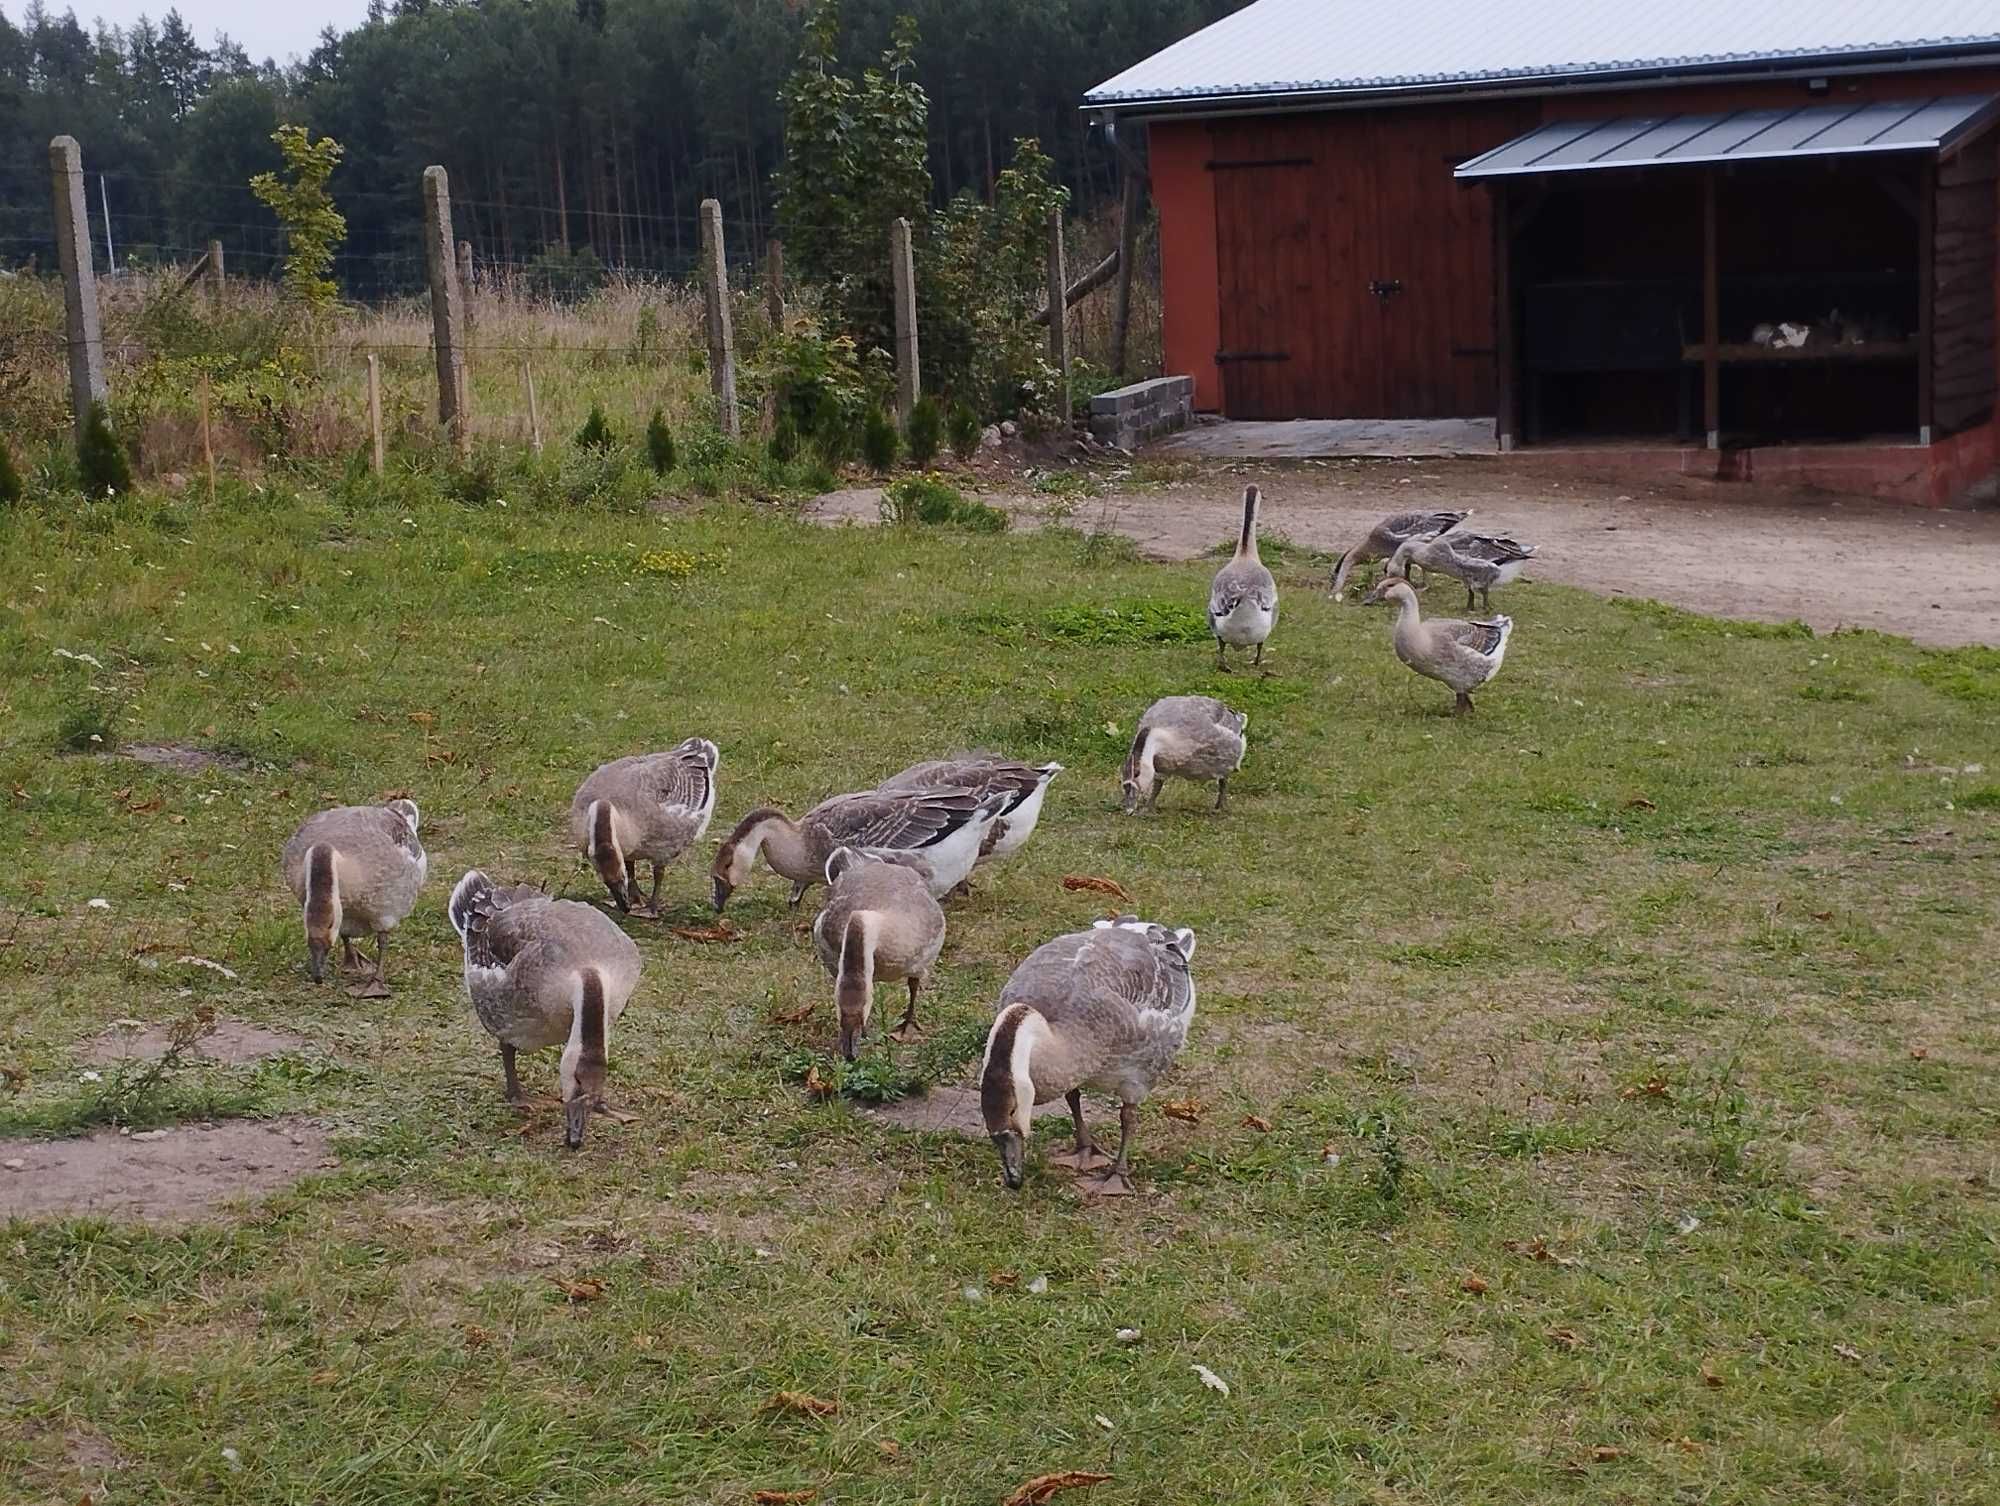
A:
930, 498
10, 479
596, 431
963, 430
879, 442
925, 432
784, 439
105, 465
660, 441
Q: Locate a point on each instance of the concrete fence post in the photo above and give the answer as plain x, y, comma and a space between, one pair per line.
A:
447, 310
1059, 309
217, 282
903, 277
715, 300
85, 333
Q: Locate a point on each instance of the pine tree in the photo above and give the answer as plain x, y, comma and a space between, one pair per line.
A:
596, 431
660, 443
879, 442
925, 435
106, 468
964, 430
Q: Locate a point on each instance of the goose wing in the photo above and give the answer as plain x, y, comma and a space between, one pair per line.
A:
681, 782
1493, 548
1240, 581
899, 820
983, 776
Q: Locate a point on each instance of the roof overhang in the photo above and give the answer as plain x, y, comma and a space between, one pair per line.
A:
1933, 125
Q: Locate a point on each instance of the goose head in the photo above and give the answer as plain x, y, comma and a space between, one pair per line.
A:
1007, 1087
607, 857
407, 809
1138, 779
1391, 588
736, 855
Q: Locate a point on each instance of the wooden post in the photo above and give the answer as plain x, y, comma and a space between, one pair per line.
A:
1059, 309
774, 282
207, 446
465, 284
715, 298
1711, 318
903, 280
1128, 254
1506, 431
534, 411
85, 333
1926, 300
216, 281
375, 414
447, 310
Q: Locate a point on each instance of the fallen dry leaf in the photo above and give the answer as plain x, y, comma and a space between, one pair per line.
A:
1604, 1453
1640, 803
1258, 1123
1566, 1338
1918, 1053
1188, 1110
1652, 1087
323, 1377
782, 1497
1043, 1487
1822, 915
578, 1291
802, 1404
1535, 1249
1847, 1351
146, 807
794, 1016
477, 1337
817, 1086
1003, 1278
722, 930
889, 1450
1712, 1377
1473, 1283
1076, 881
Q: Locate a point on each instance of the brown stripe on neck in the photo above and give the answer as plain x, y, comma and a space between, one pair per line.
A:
601, 838
321, 894
593, 1031
996, 1082
1246, 541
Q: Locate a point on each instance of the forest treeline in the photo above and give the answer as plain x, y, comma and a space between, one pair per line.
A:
577, 132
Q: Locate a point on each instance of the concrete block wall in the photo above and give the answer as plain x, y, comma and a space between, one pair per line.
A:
1129, 416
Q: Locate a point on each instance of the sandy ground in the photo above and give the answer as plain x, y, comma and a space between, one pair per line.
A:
1729, 549
168, 1176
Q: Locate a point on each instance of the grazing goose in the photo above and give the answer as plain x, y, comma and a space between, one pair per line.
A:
1024, 784
1190, 737
880, 924
1478, 561
937, 832
652, 806
357, 870
1106, 1009
545, 972
1243, 601
1388, 535
1463, 655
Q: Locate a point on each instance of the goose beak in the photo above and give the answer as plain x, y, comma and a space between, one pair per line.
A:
719, 891
316, 960
847, 1039
576, 1117
1013, 1158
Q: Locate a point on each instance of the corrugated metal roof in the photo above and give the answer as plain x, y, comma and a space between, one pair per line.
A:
1735, 136
1338, 46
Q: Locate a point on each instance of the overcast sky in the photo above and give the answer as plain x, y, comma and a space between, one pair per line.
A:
265, 28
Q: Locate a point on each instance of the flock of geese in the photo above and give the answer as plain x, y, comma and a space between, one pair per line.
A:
1105, 1009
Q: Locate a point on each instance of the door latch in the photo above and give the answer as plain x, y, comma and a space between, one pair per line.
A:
1383, 287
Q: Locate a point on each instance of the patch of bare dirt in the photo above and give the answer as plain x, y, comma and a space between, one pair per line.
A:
172, 1176
231, 1042
1731, 549
90, 1455
183, 758
948, 1108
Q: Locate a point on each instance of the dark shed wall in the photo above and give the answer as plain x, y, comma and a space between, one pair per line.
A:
1966, 255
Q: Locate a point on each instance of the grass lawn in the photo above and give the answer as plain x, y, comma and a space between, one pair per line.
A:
1623, 1057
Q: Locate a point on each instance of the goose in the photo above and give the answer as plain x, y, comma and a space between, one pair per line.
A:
1243, 601
1190, 737
1463, 655
880, 923
652, 806
545, 972
937, 832
1386, 536
1478, 561
1025, 784
357, 871
1106, 1009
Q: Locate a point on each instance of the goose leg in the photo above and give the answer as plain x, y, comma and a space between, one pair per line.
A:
374, 987
514, 1093
1486, 598
1086, 1156
1117, 1181
1468, 598
600, 1106
1464, 706
652, 910
1221, 660
350, 960
798, 893
909, 1029
1222, 793
1260, 657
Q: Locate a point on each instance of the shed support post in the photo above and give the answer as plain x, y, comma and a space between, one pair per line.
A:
1128, 247
1505, 426
447, 310
1926, 301
85, 333
1711, 318
903, 279
715, 304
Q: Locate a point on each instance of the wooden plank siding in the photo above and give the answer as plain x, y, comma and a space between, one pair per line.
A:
1965, 250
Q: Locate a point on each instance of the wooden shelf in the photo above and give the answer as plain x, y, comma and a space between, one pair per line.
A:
1746, 354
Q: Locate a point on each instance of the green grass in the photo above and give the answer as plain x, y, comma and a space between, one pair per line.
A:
1627, 1049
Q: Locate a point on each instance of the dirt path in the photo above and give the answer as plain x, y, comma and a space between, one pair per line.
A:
1729, 549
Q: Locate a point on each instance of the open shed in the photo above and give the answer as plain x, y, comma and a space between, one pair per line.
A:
1747, 238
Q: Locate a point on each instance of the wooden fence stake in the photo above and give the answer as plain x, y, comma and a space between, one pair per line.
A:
774, 282
903, 278
85, 333
1059, 310
207, 446
534, 411
375, 414
447, 310
465, 285
216, 280
715, 295
1128, 254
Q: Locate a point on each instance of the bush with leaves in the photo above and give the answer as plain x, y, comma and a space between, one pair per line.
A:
924, 434
660, 443
784, 438
314, 229
106, 468
931, 499
596, 431
879, 441
11, 490
963, 429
